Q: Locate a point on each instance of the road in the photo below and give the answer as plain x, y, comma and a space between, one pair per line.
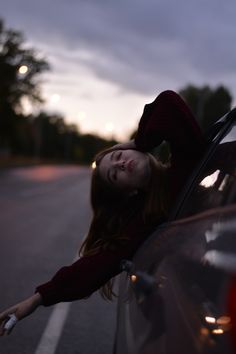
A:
44, 216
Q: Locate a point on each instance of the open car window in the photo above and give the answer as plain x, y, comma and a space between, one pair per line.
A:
216, 184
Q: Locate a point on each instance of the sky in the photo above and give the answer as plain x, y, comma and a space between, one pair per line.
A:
110, 57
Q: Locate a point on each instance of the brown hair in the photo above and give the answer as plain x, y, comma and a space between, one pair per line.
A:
112, 211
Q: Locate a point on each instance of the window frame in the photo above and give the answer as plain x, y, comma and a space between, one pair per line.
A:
226, 123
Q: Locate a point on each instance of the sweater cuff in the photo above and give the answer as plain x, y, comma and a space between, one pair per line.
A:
48, 294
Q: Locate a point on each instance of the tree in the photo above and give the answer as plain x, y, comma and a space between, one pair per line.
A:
89, 145
19, 71
207, 104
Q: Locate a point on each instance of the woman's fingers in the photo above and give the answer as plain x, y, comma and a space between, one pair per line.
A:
124, 146
7, 321
9, 318
8, 324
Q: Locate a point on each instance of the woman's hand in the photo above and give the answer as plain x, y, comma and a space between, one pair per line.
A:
20, 310
124, 146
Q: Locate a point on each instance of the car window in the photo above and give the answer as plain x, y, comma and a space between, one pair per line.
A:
216, 184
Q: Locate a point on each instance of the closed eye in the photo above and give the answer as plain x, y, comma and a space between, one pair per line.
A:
112, 172
118, 155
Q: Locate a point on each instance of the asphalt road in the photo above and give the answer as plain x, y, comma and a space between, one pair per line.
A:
44, 214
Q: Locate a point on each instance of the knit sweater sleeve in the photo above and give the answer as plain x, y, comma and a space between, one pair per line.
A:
86, 275
169, 118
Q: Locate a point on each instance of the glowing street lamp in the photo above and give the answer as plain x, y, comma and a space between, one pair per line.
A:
109, 127
55, 98
23, 69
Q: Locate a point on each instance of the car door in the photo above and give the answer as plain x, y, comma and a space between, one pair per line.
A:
178, 294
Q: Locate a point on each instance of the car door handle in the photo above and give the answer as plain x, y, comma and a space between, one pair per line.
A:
143, 283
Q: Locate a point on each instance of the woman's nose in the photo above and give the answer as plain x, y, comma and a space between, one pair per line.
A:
120, 164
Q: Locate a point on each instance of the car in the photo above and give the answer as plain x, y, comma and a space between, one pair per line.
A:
178, 294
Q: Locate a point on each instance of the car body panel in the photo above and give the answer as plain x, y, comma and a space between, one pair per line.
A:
176, 297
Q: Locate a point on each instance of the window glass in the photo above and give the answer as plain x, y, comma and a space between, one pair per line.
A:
216, 185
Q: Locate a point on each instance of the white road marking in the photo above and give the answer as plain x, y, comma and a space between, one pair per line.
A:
52, 332
51, 335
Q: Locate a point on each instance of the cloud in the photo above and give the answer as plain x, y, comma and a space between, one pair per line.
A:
138, 45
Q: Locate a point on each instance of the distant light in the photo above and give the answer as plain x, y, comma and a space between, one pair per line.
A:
223, 320
208, 181
210, 319
109, 127
133, 278
93, 165
55, 98
26, 105
81, 115
23, 69
218, 331
204, 331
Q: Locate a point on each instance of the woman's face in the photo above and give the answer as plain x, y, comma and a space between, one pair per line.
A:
125, 169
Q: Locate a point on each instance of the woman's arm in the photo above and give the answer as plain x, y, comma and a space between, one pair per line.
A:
89, 273
20, 310
169, 118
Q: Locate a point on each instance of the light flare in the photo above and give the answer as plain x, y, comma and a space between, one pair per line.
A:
109, 127
218, 331
81, 115
23, 69
133, 278
55, 98
210, 319
208, 181
223, 320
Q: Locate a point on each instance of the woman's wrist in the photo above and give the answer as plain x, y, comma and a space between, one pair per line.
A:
37, 299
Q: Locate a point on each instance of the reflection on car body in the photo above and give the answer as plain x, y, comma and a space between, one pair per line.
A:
179, 294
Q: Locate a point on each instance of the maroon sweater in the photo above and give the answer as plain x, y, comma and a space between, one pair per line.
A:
166, 118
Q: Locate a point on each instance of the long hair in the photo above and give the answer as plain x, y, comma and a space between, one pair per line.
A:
113, 210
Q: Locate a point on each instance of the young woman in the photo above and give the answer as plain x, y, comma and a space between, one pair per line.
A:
131, 193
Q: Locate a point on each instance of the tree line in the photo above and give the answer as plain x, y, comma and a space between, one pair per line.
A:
42, 135
47, 136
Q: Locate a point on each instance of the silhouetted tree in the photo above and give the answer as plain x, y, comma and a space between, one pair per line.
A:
89, 145
207, 104
16, 84
54, 139
22, 142
49, 132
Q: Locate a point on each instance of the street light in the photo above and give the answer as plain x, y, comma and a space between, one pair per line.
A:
23, 69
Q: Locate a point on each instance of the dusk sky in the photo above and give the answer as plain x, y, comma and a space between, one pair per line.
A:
109, 58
